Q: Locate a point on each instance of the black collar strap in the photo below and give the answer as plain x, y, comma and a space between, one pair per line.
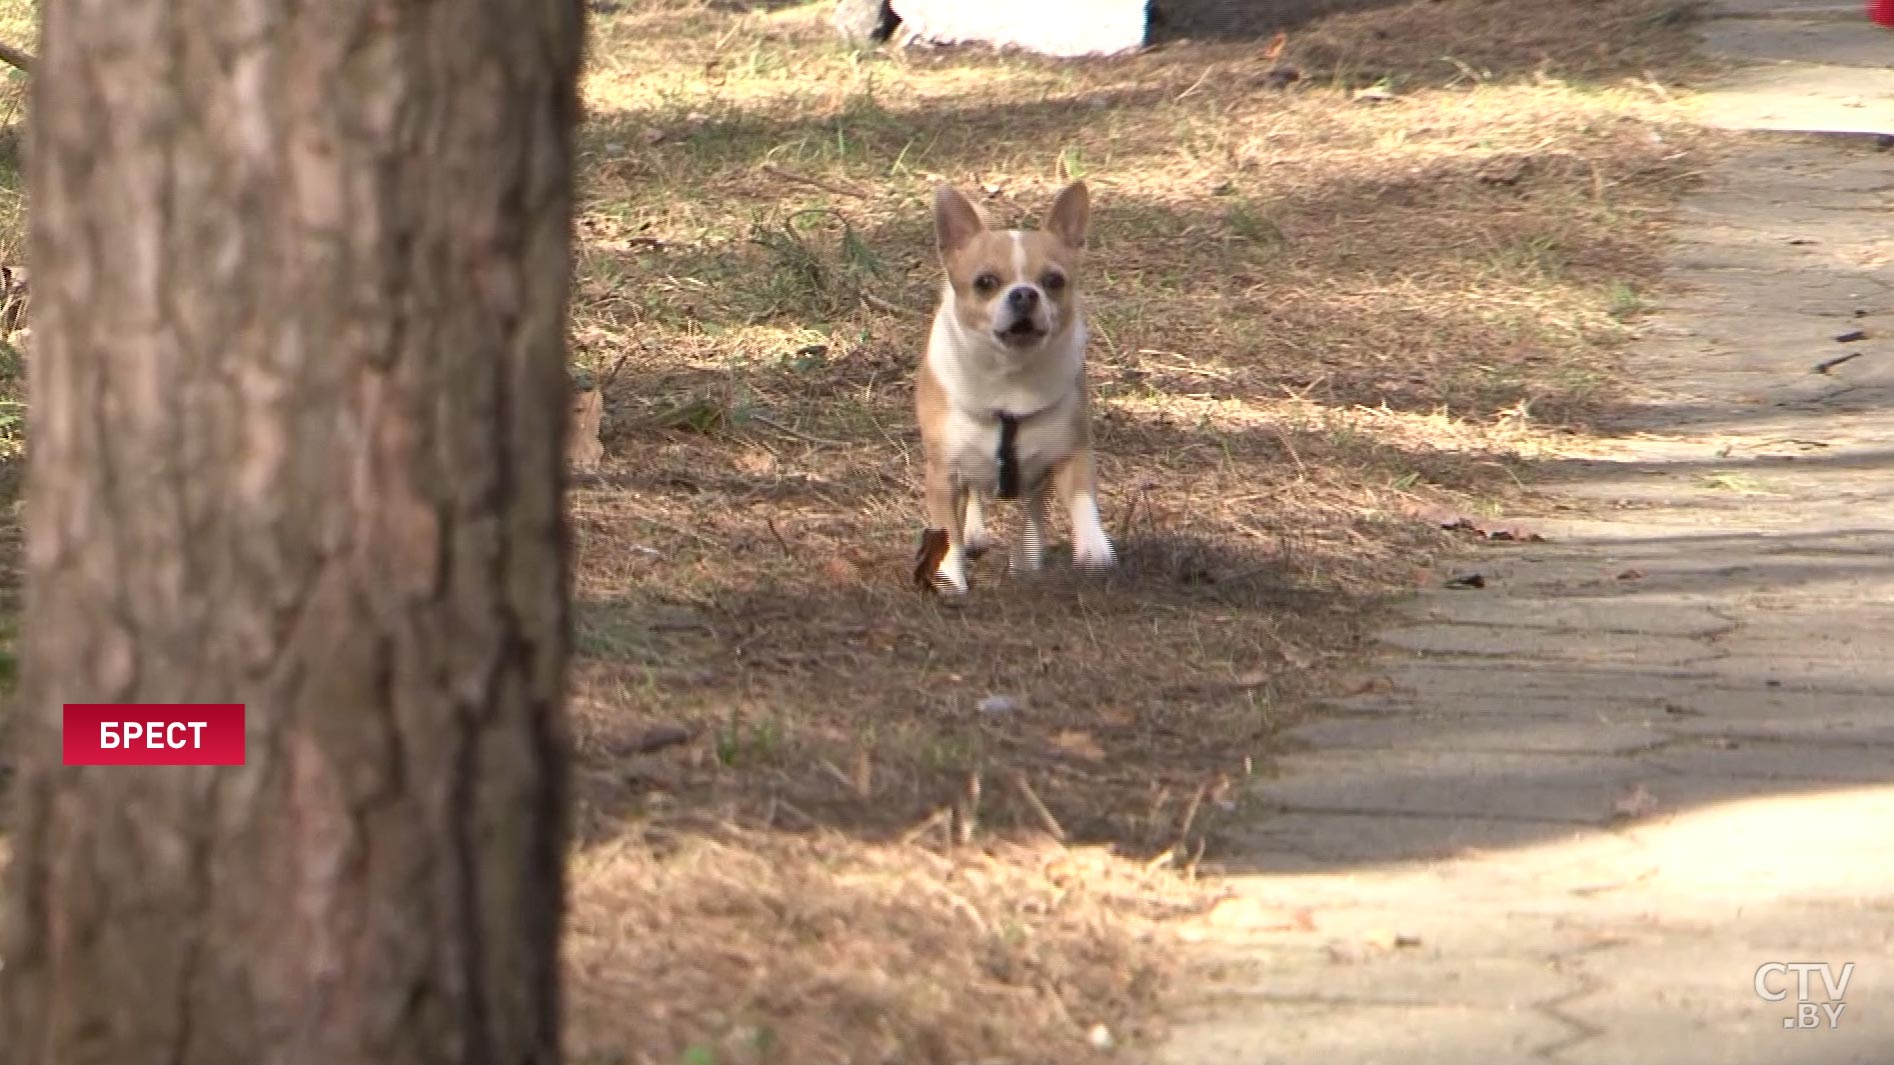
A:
1009, 455
1009, 448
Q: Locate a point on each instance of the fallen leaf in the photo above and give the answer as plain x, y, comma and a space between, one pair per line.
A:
1506, 170
927, 560
1280, 77
1080, 744
1435, 514
1635, 804
1448, 518
1370, 686
998, 704
659, 737
1241, 911
1613, 885
757, 462
840, 570
1275, 46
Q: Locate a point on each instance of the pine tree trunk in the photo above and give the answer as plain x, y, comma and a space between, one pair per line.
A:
298, 393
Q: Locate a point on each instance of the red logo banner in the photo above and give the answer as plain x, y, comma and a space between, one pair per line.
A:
154, 733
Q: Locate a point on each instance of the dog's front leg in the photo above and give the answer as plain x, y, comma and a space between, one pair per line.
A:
1091, 548
977, 537
947, 510
1029, 551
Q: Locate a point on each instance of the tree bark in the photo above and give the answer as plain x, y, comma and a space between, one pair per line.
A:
298, 394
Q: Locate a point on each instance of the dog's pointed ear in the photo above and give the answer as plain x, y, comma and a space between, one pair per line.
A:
956, 220
1071, 213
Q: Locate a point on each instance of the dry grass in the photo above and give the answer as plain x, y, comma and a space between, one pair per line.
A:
751, 947
1315, 307
18, 27
1395, 281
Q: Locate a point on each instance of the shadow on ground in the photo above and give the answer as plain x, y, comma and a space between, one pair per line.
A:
1241, 20
1335, 309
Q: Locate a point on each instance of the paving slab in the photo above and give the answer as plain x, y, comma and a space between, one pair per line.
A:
1777, 714
1471, 686
1303, 843
1819, 98
1808, 9
1369, 1035
1803, 41
1655, 616
1655, 753
1581, 733
1570, 788
1357, 955
1499, 641
1772, 758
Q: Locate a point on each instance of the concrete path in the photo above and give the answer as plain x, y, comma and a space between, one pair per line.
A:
1801, 65
1594, 809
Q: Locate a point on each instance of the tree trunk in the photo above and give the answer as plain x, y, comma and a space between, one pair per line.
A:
298, 391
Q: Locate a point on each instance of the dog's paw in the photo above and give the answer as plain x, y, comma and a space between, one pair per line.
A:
1025, 562
951, 577
979, 542
1091, 548
1094, 553
939, 566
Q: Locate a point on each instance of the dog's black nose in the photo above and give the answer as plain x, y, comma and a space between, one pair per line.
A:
1023, 299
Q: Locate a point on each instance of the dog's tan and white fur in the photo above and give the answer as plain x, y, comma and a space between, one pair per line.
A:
1009, 338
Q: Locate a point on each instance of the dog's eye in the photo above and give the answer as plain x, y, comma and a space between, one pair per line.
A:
986, 283
1053, 281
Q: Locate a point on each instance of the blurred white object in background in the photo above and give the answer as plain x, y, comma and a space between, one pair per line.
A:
1062, 28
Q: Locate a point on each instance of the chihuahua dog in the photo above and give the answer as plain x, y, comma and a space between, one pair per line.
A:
1001, 395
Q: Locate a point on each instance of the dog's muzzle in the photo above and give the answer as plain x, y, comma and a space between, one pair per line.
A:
1025, 319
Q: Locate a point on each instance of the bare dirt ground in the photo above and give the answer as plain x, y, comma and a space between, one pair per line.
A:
1323, 307
1344, 285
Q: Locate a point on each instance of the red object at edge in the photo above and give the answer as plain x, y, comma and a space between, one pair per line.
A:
1881, 11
